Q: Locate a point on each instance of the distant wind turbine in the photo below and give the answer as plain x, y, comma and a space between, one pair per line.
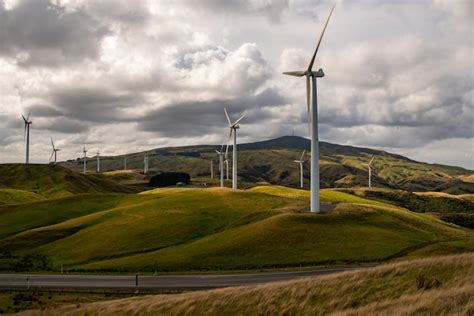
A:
369, 166
145, 165
313, 118
226, 161
212, 169
221, 154
301, 162
54, 152
233, 131
98, 161
85, 159
27, 134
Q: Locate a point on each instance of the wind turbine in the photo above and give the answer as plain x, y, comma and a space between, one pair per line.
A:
85, 159
226, 161
301, 162
54, 152
313, 118
369, 166
98, 161
221, 155
233, 130
212, 169
145, 165
27, 133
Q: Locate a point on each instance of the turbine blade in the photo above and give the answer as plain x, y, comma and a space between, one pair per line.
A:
227, 115
51, 157
52, 143
370, 162
310, 66
294, 73
296, 161
240, 118
28, 117
308, 101
227, 146
24, 118
302, 155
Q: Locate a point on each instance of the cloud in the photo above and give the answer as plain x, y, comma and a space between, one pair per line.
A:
40, 33
137, 75
207, 117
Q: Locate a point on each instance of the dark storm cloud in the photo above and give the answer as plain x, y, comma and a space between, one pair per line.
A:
201, 118
87, 105
37, 32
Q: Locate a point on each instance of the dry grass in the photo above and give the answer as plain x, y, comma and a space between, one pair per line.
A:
440, 285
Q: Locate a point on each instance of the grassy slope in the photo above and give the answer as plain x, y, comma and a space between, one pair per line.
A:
55, 181
363, 232
13, 196
434, 286
450, 208
186, 229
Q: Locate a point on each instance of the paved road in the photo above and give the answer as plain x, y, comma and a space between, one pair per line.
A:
164, 282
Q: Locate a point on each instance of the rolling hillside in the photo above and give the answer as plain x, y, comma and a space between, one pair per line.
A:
35, 181
434, 286
272, 161
183, 229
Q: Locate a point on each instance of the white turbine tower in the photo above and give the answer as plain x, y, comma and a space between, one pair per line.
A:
212, 169
54, 152
313, 118
233, 130
85, 159
226, 161
98, 161
369, 166
221, 154
301, 162
145, 165
27, 134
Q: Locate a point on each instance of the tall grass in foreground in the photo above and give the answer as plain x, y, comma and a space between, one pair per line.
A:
433, 286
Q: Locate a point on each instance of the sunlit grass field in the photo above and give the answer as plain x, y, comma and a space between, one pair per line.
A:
214, 229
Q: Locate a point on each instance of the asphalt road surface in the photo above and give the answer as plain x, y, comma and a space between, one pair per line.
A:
160, 282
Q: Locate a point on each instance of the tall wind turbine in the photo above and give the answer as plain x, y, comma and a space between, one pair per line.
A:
85, 159
54, 152
369, 166
233, 131
27, 134
301, 162
313, 118
98, 161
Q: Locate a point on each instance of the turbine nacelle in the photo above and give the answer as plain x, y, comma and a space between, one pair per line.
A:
307, 73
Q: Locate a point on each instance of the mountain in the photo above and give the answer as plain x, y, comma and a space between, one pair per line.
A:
272, 161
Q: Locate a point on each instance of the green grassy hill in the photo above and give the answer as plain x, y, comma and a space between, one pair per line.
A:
434, 286
54, 181
451, 208
272, 161
182, 229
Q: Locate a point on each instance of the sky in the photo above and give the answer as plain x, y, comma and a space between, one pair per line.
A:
124, 76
